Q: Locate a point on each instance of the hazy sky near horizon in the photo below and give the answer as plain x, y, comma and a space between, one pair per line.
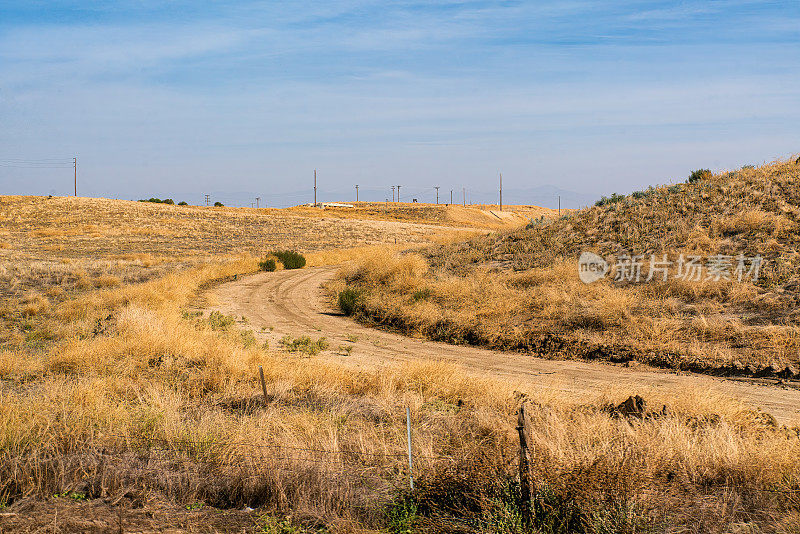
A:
242, 99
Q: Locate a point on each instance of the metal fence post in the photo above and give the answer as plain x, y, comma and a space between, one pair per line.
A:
410, 460
524, 465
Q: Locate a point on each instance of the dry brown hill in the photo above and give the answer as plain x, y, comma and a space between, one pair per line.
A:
521, 290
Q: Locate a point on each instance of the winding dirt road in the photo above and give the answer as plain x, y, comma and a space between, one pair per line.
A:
292, 302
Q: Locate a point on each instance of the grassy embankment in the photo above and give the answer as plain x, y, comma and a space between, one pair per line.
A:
520, 290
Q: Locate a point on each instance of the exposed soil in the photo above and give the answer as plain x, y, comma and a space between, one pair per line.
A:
66, 515
293, 303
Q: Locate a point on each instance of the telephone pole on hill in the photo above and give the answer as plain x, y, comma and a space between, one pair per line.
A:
398, 193
392, 193
356, 192
315, 188
437, 194
464, 192
75, 168
501, 191
257, 201
451, 196
208, 199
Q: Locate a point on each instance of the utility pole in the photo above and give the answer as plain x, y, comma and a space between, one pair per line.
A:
315, 188
437, 194
356, 192
208, 199
559, 206
252, 205
392, 193
75, 167
451, 196
501, 191
464, 192
257, 201
398, 193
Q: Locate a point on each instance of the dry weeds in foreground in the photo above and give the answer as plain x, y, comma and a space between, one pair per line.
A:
520, 290
134, 399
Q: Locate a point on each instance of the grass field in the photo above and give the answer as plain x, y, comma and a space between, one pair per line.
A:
520, 290
120, 406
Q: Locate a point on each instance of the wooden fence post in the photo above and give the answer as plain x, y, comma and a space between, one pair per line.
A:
263, 385
524, 465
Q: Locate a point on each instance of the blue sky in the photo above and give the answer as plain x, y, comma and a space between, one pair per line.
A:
243, 99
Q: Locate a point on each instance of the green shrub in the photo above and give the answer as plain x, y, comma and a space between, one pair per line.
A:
276, 525
619, 517
304, 344
290, 259
155, 200
401, 515
421, 294
183, 203
268, 265
350, 300
220, 321
248, 338
218, 204
699, 174
555, 513
613, 199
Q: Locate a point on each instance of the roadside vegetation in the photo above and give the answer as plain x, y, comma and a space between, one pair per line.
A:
520, 290
135, 398
120, 396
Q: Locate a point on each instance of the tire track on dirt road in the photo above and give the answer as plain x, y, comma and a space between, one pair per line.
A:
292, 302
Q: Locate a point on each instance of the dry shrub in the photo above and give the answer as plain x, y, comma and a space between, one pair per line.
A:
338, 256
106, 280
34, 304
774, 224
388, 269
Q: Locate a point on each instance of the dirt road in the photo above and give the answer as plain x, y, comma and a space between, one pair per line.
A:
292, 302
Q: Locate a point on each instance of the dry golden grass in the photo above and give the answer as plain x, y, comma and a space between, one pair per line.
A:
112, 388
471, 216
520, 290
100, 228
136, 397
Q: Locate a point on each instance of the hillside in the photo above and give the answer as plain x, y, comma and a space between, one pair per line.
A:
472, 216
520, 290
